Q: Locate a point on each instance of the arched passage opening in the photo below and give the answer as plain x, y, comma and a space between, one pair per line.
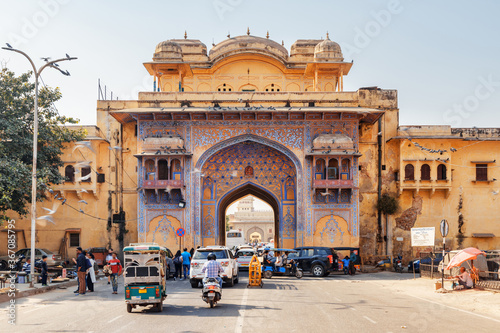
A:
239, 193
226, 171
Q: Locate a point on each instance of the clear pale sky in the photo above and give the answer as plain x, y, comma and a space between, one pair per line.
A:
441, 56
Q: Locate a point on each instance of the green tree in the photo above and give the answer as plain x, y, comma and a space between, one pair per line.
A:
16, 141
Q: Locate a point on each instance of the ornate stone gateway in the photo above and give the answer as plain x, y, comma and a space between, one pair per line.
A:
248, 118
244, 168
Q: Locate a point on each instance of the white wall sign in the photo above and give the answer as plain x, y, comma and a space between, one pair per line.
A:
422, 236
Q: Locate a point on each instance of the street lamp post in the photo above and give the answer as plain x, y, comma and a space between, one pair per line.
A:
52, 64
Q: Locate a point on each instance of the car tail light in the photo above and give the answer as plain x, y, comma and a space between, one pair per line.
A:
224, 263
331, 258
157, 291
127, 293
194, 264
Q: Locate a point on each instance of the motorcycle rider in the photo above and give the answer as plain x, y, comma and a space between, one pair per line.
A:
212, 268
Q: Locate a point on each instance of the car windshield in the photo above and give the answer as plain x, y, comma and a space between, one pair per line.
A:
47, 251
202, 255
246, 253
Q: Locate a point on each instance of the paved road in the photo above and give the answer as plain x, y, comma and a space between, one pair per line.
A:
334, 304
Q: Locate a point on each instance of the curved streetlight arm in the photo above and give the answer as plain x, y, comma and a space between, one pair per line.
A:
24, 54
51, 64
35, 147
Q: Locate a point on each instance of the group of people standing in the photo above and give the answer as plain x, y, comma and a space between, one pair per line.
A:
87, 269
182, 263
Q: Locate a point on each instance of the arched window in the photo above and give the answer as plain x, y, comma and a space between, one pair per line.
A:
162, 170
333, 169
86, 175
425, 172
409, 172
175, 196
150, 172
175, 169
69, 173
346, 166
320, 169
441, 172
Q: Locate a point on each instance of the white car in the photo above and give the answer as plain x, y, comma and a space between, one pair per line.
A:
244, 256
224, 257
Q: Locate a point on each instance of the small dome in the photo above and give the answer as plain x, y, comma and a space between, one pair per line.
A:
328, 50
245, 44
168, 50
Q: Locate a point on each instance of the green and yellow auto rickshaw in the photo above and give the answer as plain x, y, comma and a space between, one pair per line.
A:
144, 277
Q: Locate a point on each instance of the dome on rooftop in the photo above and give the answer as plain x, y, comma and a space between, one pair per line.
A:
248, 43
168, 50
328, 50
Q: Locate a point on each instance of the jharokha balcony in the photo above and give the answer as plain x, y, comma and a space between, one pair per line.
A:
173, 183
333, 183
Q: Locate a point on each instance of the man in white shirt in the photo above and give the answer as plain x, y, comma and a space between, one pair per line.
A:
464, 279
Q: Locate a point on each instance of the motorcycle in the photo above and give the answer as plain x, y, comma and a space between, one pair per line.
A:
211, 292
398, 264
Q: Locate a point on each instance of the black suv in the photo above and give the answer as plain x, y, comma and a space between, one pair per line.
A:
320, 261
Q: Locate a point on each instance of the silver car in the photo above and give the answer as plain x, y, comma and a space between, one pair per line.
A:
53, 259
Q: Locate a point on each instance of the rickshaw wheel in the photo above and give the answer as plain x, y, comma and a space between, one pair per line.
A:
268, 274
159, 307
129, 308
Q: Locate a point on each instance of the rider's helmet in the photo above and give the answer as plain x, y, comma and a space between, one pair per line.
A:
211, 256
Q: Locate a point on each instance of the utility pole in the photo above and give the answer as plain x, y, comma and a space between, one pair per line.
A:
52, 64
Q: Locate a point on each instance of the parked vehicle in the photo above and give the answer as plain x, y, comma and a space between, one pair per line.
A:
53, 259
234, 239
493, 262
224, 257
244, 256
170, 264
144, 277
425, 261
398, 264
211, 292
342, 252
320, 261
289, 269
99, 253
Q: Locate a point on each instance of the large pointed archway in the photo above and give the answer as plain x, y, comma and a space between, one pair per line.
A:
241, 192
248, 167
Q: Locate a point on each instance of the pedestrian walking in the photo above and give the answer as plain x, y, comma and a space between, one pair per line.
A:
81, 269
116, 270
178, 265
91, 272
109, 256
44, 274
186, 261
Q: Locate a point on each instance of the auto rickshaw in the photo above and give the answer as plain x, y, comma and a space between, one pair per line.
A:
346, 251
288, 268
144, 277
